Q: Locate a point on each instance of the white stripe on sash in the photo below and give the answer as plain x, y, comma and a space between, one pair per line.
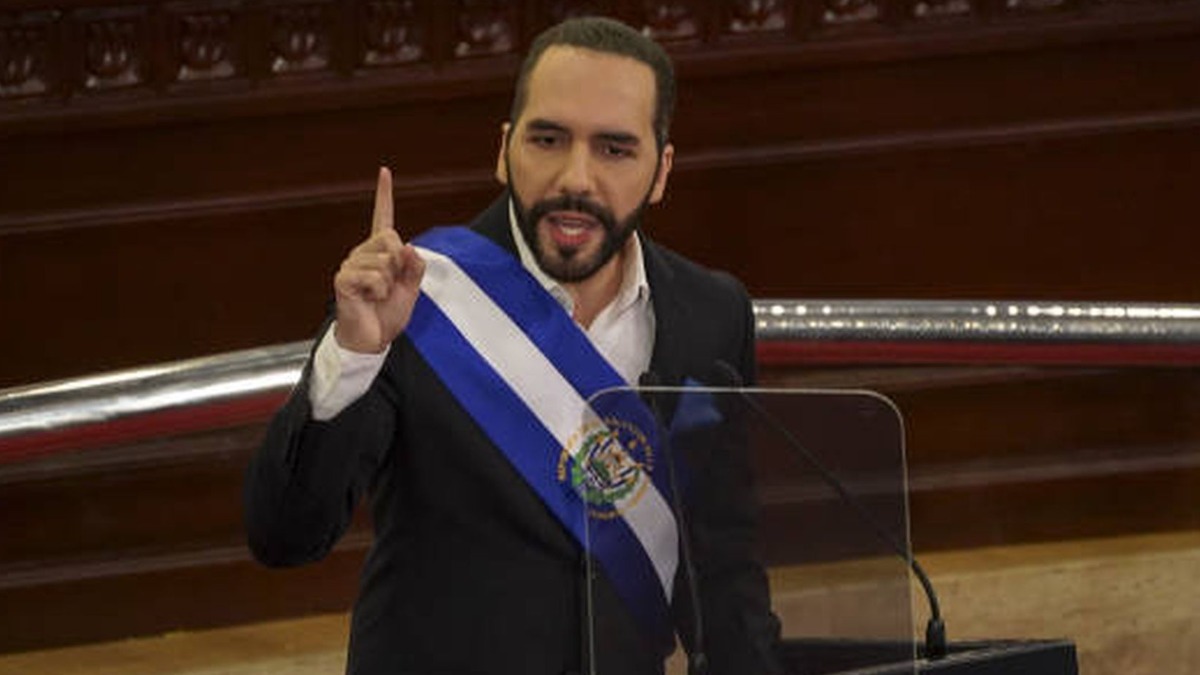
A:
533, 377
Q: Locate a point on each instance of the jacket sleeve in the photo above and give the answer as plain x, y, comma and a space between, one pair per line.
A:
305, 480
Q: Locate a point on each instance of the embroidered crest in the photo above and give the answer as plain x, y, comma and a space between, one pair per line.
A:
608, 464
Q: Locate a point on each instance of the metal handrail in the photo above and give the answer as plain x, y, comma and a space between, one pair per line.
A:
272, 371
964, 321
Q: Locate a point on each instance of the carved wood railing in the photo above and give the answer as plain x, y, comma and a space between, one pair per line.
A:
75, 56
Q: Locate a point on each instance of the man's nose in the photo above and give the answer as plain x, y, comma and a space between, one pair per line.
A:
576, 176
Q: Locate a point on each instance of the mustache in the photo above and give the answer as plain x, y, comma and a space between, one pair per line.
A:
573, 203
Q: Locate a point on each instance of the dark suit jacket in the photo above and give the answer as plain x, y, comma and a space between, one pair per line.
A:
469, 572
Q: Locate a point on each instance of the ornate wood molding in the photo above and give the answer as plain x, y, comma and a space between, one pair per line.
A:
65, 57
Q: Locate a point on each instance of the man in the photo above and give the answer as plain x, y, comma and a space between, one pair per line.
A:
445, 363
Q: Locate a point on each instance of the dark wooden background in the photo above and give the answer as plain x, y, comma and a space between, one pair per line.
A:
182, 178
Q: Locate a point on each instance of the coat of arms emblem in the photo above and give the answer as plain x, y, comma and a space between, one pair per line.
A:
608, 464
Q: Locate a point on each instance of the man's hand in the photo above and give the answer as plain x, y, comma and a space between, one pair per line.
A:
378, 282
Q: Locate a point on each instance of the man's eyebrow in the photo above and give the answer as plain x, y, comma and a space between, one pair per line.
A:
618, 137
539, 124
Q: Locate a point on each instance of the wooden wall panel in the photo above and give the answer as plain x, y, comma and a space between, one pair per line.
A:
166, 285
993, 221
166, 167
1005, 454
1085, 218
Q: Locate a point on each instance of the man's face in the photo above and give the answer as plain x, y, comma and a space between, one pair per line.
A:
581, 159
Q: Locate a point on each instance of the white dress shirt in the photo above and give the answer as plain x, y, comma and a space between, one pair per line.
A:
623, 332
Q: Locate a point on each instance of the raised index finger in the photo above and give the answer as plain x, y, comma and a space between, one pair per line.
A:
381, 218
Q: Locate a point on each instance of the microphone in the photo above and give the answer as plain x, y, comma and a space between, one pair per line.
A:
697, 659
935, 629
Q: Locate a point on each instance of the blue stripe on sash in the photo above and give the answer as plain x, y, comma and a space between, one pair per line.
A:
510, 424
501, 275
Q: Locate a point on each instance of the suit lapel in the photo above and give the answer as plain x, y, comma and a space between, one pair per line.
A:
671, 317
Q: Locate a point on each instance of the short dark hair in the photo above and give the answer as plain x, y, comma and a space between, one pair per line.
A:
612, 37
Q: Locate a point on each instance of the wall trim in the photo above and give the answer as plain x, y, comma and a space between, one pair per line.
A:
716, 159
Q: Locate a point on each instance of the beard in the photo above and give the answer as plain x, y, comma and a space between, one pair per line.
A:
570, 264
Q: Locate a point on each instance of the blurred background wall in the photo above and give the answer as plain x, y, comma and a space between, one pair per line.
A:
182, 178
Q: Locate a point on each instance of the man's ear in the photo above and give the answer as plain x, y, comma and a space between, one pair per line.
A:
502, 158
664, 169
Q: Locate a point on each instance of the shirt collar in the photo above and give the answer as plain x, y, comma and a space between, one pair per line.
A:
634, 287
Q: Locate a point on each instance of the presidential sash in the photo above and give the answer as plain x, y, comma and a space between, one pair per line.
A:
528, 375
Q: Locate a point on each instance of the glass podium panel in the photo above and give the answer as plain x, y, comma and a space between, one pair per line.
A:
718, 518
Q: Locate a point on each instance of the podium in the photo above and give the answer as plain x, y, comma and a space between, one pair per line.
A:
804, 493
